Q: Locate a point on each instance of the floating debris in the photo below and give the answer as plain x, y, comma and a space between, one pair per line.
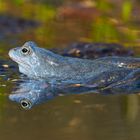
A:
77, 101
5, 66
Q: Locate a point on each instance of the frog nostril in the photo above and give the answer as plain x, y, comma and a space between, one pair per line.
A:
13, 50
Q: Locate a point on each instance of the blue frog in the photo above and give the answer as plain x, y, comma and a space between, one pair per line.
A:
40, 63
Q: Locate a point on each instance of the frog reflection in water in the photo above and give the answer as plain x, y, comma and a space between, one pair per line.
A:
39, 63
33, 92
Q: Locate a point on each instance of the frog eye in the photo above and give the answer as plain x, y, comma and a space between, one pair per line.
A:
25, 50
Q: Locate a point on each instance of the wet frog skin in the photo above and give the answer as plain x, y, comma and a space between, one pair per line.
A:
39, 63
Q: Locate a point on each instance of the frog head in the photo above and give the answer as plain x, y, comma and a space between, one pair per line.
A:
35, 62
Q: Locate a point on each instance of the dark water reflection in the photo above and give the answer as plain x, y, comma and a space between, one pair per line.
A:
75, 116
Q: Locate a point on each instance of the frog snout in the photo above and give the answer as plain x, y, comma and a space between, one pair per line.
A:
11, 52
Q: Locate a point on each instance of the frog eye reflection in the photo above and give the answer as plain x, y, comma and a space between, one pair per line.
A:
26, 104
25, 50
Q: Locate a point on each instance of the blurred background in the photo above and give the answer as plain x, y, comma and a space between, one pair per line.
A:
56, 24
53, 23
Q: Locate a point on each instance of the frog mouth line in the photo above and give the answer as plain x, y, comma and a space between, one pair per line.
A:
20, 62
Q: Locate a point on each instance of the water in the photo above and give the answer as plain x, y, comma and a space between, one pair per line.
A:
75, 116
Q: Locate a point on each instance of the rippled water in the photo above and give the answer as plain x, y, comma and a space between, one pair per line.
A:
81, 116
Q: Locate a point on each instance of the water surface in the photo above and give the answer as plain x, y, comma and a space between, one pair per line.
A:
82, 116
